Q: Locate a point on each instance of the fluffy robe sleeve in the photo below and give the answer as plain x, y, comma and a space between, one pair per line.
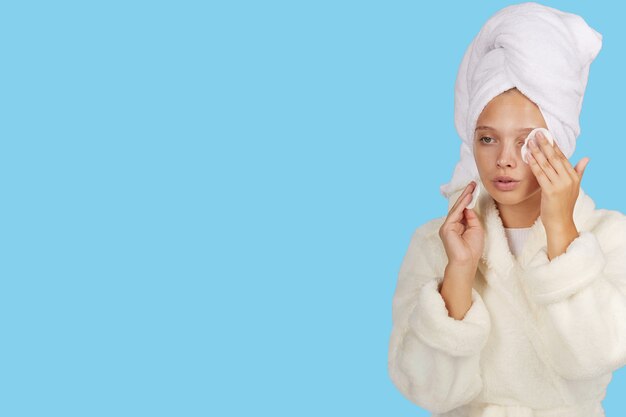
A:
433, 358
581, 300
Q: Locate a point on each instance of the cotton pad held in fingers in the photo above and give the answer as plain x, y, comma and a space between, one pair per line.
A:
531, 135
475, 195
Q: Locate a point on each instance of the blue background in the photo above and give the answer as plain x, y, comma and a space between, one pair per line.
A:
205, 205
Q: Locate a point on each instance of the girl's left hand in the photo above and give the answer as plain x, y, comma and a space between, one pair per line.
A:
559, 181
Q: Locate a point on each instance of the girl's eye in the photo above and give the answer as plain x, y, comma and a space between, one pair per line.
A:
485, 137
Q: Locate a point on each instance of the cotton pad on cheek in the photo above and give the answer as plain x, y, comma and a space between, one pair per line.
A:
531, 135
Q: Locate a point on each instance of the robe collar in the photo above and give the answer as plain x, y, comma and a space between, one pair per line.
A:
497, 257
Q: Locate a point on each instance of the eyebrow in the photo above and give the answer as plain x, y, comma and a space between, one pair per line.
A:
491, 128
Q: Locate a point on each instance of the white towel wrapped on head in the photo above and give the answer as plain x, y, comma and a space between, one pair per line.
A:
544, 53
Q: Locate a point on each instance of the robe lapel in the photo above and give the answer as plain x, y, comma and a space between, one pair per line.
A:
497, 259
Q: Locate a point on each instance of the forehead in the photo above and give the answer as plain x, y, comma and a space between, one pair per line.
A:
510, 119
510, 106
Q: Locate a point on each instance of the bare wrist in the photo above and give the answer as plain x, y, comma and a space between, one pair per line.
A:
461, 267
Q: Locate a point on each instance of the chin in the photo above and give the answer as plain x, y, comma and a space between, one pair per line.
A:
512, 197
506, 197
507, 200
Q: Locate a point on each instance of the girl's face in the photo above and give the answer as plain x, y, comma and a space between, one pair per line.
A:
500, 132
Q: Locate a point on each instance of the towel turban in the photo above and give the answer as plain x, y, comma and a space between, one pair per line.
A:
544, 53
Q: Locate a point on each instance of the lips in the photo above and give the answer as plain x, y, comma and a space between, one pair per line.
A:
504, 179
505, 185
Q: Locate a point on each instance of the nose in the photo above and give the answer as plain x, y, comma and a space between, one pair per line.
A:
507, 157
504, 163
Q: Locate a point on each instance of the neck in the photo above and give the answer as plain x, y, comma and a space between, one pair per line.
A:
523, 214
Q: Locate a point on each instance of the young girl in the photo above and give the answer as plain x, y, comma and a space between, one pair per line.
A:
515, 307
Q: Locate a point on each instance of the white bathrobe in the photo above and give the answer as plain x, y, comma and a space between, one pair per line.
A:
541, 338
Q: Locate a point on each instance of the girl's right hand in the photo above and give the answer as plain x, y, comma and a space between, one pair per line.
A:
462, 233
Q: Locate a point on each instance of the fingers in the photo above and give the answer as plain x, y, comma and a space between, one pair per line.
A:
542, 178
472, 219
468, 190
545, 165
456, 212
581, 166
568, 166
550, 165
